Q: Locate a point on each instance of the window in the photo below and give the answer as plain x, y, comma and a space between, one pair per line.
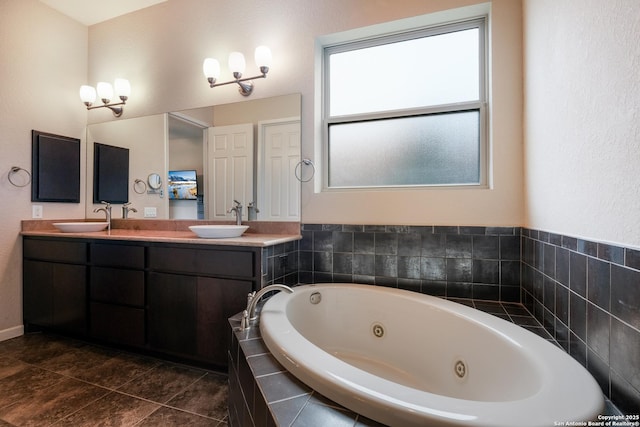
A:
406, 109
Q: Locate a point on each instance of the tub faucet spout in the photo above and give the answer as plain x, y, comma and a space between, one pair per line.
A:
252, 301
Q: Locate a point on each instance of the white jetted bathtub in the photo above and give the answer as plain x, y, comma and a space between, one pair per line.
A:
406, 359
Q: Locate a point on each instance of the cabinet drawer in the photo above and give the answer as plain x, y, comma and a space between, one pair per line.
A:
55, 250
202, 261
122, 325
117, 286
112, 255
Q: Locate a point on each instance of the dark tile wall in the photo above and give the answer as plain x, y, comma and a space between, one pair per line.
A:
587, 295
451, 261
280, 264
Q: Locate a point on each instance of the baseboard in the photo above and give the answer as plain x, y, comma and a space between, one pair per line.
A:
7, 334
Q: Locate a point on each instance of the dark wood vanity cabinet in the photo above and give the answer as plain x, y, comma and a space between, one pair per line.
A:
117, 293
168, 298
55, 285
191, 294
187, 314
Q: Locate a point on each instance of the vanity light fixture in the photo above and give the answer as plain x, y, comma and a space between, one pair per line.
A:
237, 64
105, 92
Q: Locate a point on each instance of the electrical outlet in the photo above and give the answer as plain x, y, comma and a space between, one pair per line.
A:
36, 211
150, 212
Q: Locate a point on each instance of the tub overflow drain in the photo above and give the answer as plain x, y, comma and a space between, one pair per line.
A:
315, 298
378, 330
460, 369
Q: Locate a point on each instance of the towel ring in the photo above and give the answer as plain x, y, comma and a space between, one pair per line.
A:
137, 184
306, 162
14, 170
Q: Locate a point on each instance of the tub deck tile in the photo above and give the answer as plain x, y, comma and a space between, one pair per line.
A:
318, 410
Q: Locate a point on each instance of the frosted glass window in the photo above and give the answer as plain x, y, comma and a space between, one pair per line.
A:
407, 109
439, 149
433, 70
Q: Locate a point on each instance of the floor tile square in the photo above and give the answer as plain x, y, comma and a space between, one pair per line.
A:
163, 382
47, 405
113, 410
207, 396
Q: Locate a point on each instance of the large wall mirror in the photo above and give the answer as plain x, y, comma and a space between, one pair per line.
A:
207, 158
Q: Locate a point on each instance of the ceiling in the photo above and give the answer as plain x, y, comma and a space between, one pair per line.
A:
89, 12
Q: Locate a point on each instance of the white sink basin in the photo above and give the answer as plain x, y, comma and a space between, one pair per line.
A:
80, 227
218, 231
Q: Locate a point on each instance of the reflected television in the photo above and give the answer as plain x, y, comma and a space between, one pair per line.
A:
182, 185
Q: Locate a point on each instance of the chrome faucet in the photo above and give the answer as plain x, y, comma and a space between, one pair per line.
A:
107, 212
237, 208
126, 209
253, 298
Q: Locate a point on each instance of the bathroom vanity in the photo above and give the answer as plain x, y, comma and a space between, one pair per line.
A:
167, 292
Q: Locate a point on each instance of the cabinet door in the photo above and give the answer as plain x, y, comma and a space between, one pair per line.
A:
117, 286
38, 293
55, 296
218, 299
118, 324
70, 298
171, 310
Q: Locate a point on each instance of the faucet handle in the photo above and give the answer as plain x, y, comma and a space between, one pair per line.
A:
252, 205
244, 323
250, 297
107, 204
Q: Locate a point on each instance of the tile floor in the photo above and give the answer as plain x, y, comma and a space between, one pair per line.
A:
47, 380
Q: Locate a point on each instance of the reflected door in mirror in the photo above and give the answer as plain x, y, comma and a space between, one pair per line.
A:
279, 190
230, 169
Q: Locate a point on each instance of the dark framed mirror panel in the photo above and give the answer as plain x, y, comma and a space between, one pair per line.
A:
110, 174
55, 168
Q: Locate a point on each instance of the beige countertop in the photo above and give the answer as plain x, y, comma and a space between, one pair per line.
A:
162, 234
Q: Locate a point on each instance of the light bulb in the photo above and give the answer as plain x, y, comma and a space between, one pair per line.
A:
123, 88
237, 63
105, 91
211, 68
87, 94
263, 56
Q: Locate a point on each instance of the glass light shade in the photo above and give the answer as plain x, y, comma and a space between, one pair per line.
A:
237, 63
211, 68
105, 90
263, 56
87, 94
122, 87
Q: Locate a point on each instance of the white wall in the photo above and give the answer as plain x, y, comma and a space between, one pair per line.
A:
44, 60
582, 109
161, 49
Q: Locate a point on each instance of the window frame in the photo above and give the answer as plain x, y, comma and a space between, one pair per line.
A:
481, 105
